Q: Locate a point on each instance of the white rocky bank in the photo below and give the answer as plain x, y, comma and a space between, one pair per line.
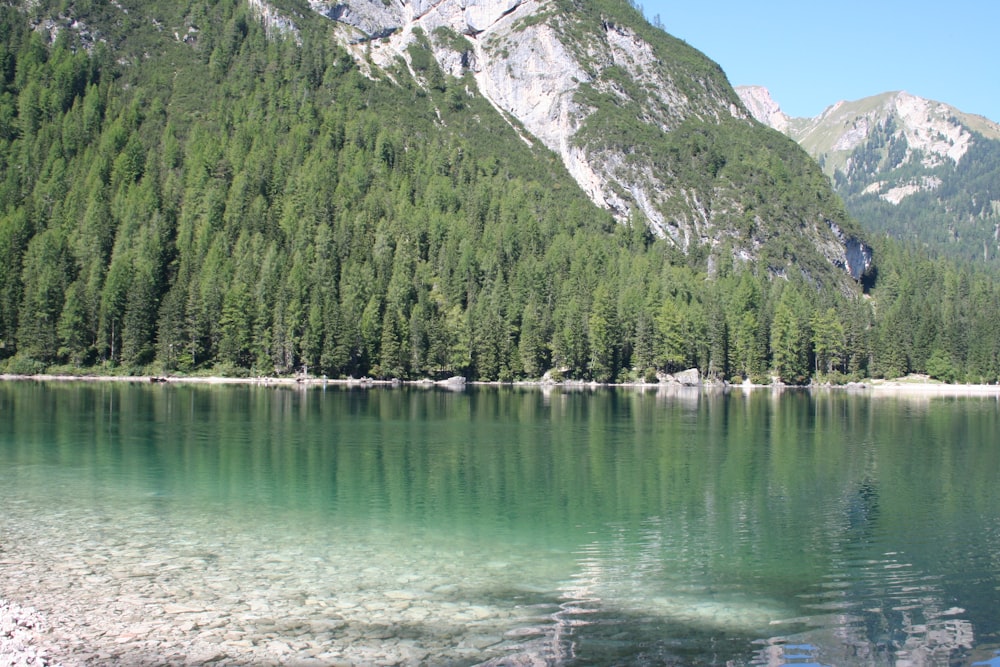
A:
23, 641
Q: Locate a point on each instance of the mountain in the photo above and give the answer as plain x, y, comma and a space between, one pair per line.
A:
919, 170
648, 127
493, 190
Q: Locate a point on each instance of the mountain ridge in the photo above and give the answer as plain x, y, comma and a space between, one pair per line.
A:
818, 136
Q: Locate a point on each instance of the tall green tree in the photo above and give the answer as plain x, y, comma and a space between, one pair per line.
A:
46, 276
828, 340
790, 337
603, 337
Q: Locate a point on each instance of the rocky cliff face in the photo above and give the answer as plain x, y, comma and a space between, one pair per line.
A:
598, 90
762, 106
526, 60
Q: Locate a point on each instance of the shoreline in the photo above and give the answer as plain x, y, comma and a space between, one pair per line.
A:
915, 385
902, 386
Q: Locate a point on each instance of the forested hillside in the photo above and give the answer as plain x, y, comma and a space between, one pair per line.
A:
193, 195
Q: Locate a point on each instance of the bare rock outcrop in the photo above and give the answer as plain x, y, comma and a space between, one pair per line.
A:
762, 106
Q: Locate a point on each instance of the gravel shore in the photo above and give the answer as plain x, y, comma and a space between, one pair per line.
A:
914, 385
22, 637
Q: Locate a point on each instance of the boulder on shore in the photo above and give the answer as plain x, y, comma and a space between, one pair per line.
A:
689, 378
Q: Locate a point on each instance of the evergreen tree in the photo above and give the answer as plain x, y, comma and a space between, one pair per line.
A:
74, 345
45, 278
531, 344
828, 340
603, 337
790, 337
672, 353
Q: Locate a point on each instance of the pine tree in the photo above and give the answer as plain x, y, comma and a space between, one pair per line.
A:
72, 328
531, 345
603, 337
828, 340
45, 275
790, 337
672, 349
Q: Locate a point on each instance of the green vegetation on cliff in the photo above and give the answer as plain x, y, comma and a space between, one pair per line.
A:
191, 195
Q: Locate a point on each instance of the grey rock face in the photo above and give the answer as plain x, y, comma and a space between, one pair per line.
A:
532, 72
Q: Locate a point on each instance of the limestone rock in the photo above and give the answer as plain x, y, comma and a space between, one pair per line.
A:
688, 378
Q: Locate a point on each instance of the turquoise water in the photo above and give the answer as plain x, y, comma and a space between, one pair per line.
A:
505, 524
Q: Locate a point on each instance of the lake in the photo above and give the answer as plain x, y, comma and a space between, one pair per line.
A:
182, 524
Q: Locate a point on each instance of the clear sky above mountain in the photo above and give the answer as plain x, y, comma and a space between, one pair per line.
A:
810, 55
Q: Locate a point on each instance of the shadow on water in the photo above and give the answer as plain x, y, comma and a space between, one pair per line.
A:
589, 632
580, 626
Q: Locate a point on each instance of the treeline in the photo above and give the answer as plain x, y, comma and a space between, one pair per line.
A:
244, 205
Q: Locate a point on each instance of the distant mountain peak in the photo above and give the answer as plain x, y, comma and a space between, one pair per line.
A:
930, 127
938, 131
897, 158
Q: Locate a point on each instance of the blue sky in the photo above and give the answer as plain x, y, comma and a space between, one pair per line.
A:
810, 54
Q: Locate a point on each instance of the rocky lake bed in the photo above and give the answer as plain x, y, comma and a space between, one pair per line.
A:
82, 589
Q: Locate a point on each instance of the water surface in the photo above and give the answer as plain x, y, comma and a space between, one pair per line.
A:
514, 525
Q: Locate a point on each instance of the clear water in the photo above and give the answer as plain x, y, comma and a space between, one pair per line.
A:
517, 526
